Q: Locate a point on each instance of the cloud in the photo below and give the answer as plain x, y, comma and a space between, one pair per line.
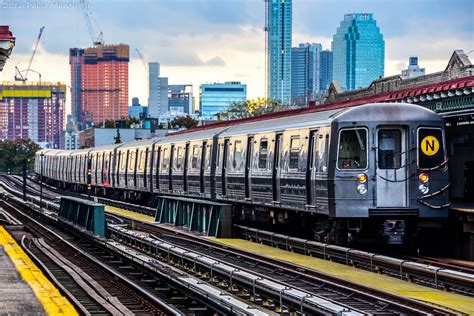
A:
215, 61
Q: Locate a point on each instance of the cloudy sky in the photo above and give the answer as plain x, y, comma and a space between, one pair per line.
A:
199, 41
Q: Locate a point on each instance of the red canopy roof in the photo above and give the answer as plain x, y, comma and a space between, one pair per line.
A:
5, 33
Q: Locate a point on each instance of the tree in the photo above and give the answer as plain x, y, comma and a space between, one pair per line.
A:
132, 120
252, 107
13, 154
183, 122
117, 138
109, 124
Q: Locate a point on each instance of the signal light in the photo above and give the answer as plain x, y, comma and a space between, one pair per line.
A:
362, 178
423, 177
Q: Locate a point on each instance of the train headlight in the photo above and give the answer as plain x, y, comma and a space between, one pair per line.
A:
424, 178
362, 178
424, 189
362, 189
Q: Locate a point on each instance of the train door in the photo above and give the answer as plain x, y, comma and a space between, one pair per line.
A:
127, 155
276, 168
145, 167
248, 165
225, 156
157, 166
310, 168
117, 166
138, 157
203, 165
170, 171
185, 171
391, 167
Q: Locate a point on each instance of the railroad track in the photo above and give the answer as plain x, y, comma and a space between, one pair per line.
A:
201, 298
357, 296
432, 272
98, 281
436, 275
292, 274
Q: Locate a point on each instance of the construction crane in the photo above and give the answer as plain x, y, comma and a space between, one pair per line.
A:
96, 40
142, 59
18, 75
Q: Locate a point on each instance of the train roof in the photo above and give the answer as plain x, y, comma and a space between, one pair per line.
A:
200, 134
382, 112
297, 121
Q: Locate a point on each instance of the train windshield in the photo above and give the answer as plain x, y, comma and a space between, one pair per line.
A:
352, 149
431, 152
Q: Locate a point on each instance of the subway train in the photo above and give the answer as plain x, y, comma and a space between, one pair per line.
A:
375, 170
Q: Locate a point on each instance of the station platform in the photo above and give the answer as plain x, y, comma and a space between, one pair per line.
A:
129, 214
456, 302
24, 289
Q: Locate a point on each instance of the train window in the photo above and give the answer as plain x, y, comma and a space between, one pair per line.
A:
389, 148
352, 149
179, 158
165, 159
194, 160
208, 156
141, 162
131, 163
218, 155
294, 152
322, 152
123, 160
263, 154
238, 157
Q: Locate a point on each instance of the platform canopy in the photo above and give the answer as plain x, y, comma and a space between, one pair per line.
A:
7, 41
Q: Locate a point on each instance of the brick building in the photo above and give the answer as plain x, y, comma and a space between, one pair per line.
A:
99, 82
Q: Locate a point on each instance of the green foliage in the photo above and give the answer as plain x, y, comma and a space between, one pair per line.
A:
131, 120
13, 154
253, 107
183, 122
109, 124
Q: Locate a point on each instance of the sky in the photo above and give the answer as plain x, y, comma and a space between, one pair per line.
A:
203, 41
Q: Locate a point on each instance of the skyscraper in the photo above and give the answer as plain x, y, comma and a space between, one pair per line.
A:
34, 111
99, 82
359, 51
305, 73
278, 19
325, 71
157, 91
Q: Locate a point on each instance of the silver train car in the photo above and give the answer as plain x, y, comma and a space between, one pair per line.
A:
378, 169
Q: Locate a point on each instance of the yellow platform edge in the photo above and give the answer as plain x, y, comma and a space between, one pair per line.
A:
128, 214
459, 303
47, 294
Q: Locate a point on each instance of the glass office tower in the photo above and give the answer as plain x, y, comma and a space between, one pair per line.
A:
278, 29
358, 51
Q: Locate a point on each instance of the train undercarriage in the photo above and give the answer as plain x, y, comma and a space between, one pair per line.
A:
399, 233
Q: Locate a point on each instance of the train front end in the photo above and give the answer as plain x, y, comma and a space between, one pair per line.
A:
391, 170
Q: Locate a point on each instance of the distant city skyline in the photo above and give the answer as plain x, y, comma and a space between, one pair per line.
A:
214, 41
